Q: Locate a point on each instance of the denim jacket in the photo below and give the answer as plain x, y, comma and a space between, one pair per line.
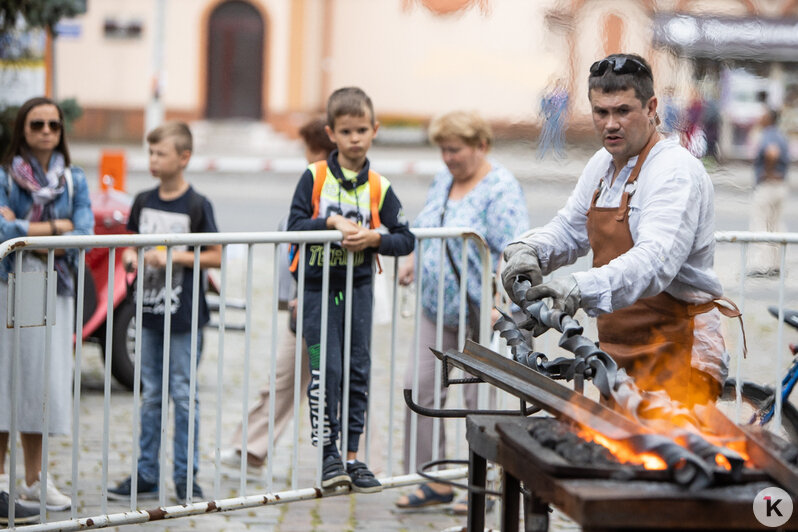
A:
21, 201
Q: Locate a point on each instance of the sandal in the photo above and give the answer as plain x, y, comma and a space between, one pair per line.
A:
431, 498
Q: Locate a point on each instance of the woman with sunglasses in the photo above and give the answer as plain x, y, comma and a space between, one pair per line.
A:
40, 195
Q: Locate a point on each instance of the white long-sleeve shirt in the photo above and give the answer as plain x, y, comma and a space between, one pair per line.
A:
672, 222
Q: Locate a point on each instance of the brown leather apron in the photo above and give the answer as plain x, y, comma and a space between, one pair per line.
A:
652, 338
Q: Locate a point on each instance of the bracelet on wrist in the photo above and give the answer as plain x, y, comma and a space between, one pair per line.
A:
53, 227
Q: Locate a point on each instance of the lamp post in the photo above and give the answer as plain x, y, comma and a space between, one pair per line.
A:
155, 114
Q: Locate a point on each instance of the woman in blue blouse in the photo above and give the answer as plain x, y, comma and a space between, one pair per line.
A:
40, 195
474, 192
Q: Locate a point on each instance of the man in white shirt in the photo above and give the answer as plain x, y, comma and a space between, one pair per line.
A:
644, 206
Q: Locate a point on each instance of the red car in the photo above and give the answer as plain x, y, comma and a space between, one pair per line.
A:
111, 210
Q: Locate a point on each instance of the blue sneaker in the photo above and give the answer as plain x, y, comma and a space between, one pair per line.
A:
144, 490
180, 492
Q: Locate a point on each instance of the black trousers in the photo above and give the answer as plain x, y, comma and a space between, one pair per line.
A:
359, 366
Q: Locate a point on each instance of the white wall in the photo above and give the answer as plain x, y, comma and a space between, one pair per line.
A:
411, 61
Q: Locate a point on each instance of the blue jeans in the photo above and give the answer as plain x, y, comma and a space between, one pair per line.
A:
151, 380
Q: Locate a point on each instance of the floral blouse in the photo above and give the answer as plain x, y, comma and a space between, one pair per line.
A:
495, 208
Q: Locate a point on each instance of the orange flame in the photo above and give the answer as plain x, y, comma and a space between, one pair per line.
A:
623, 452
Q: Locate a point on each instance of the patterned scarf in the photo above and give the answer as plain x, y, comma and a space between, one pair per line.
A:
43, 186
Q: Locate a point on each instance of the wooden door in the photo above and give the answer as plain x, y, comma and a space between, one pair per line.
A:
235, 62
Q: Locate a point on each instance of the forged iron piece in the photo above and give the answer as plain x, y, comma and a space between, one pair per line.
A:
759, 452
591, 363
686, 468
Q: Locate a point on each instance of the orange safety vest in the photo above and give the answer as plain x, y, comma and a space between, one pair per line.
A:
375, 191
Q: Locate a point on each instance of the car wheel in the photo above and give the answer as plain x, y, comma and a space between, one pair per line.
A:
123, 343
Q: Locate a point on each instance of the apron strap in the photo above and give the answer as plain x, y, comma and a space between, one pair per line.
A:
725, 306
641, 158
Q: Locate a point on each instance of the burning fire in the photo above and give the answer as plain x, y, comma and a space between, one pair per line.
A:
622, 452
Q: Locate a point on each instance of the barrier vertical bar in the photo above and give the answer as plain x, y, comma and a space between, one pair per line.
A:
245, 385
438, 368
134, 455
273, 365
350, 258
167, 350
780, 337
192, 375
12, 432
300, 324
419, 274
461, 335
73, 510
392, 371
325, 294
109, 331
220, 373
48, 359
739, 362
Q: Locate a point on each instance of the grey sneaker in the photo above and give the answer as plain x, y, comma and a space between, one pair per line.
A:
333, 473
363, 480
22, 514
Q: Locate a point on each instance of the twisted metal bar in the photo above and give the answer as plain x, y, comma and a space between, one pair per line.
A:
591, 363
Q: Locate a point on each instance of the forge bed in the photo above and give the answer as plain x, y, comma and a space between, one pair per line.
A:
591, 496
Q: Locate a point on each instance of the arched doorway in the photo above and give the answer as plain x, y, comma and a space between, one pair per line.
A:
235, 61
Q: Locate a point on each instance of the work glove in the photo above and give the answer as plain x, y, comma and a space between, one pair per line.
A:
563, 291
520, 262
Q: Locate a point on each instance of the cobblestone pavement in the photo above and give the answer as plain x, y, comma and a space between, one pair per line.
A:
346, 512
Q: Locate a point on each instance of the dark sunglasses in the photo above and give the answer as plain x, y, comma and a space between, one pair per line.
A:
38, 125
619, 65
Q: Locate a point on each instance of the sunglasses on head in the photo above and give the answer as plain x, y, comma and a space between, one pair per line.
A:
38, 125
619, 65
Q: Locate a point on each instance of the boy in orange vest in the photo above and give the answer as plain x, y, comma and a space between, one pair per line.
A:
343, 193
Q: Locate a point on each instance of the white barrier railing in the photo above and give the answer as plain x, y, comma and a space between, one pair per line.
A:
734, 279
250, 240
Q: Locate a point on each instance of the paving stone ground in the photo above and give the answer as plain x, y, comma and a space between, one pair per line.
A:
346, 512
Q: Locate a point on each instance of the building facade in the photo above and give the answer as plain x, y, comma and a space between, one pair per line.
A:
278, 60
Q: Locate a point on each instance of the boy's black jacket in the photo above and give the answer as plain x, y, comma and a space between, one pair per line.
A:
396, 239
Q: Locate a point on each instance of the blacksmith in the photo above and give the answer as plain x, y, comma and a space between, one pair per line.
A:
644, 206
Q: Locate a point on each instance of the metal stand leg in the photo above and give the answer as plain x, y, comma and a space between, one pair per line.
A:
511, 489
477, 476
536, 514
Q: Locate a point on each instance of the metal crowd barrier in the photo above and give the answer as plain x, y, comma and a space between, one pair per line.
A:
745, 240
115, 243
734, 279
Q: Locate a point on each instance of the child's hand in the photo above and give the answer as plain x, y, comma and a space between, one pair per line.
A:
129, 259
345, 225
362, 239
156, 257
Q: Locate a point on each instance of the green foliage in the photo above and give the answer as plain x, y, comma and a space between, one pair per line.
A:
38, 13
70, 107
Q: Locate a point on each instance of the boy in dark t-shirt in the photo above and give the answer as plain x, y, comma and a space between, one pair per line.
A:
173, 207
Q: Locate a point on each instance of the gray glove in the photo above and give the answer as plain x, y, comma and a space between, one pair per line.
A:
520, 261
563, 291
